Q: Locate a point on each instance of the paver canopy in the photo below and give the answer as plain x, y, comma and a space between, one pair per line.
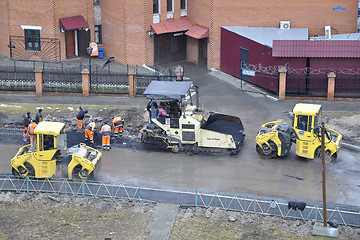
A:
167, 90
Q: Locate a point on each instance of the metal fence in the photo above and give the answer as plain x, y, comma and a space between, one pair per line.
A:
17, 81
307, 86
347, 86
142, 80
109, 83
279, 208
62, 82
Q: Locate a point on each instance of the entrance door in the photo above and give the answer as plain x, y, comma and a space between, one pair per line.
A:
244, 59
83, 42
169, 47
203, 52
70, 44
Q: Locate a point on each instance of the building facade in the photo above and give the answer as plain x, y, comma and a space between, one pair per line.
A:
153, 32
49, 30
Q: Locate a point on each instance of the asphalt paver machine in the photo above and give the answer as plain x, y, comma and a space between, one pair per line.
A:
178, 124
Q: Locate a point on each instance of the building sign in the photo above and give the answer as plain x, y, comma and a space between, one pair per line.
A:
339, 8
248, 72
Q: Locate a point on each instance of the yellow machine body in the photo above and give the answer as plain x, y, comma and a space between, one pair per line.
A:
41, 158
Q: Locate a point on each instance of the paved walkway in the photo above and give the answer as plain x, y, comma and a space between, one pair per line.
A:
164, 218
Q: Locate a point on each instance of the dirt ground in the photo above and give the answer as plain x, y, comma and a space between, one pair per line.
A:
45, 216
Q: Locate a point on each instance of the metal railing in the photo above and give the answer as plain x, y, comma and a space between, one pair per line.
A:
17, 81
280, 208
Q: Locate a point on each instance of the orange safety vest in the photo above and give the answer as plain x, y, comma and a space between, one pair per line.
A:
91, 126
32, 126
106, 130
117, 119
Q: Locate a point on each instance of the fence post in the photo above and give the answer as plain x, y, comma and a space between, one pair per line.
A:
85, 82
132, 83
39, 81
331, 86
282, 83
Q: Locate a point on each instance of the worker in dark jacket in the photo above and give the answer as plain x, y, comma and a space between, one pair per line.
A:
27, 121
38, 117
80, 116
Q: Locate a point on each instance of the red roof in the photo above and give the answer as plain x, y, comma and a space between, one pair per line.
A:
72, 23
321, 49
198, 32
171, 25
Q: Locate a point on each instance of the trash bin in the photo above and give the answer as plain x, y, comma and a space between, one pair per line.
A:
101, 52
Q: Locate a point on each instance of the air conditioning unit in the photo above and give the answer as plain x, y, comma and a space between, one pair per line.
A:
328, 32
284, 24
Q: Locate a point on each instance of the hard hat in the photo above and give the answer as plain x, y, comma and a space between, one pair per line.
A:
40, 110
106, 122
86, 111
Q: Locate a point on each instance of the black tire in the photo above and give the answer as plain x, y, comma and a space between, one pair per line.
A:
15, 173
30, 169
328, 158
269, 152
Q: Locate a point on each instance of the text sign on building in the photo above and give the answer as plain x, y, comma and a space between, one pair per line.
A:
248, 72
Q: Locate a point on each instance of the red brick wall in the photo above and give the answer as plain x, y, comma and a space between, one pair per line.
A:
41, 13
4, 36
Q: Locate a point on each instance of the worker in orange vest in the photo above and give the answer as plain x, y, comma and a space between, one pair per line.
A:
31, 128
89, 131
118, 123
106, 131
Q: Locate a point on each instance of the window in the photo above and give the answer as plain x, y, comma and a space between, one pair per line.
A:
170, 5
156, 6
183, 4
304, 123
98, 38
32, 39
96, 2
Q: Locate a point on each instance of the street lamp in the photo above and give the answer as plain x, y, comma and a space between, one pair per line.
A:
89, 51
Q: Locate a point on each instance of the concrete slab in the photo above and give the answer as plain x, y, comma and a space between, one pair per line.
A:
325, 231
164, 218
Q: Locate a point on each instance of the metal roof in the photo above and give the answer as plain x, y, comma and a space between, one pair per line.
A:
167, 90
265, 36
171, 25
348, 36
72, 23
198, 32
321, 49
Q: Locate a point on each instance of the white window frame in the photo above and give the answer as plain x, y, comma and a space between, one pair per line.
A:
29, 27
185, 5
172, 7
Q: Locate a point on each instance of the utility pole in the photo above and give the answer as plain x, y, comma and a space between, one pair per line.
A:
323, 171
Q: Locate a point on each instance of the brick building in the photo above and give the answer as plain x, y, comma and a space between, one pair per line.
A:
152, 32
50, 30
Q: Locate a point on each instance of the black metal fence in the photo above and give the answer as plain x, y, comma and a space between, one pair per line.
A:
307, 86
17, 81
142, 80
62, 82
109, 83
347, 86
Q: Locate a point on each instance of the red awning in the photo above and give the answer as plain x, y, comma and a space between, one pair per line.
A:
198, 32
72, 23
171, 26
